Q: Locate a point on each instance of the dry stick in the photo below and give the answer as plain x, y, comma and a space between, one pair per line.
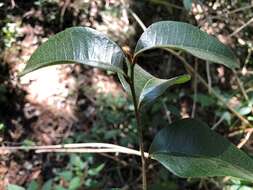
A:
78, 148
89, 150
245, 139
242, 27
209, 78
238, 132
166, 3
13, 4
64, 7
244, 70
240, 9
191, 70
122, 162
195, 88
217, 123
244, 93
138, 20
74, 145
167, 112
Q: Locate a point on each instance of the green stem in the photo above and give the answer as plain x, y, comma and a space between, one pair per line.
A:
140, 130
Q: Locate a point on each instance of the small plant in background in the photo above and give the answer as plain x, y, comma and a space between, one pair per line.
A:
187, 147
10, 33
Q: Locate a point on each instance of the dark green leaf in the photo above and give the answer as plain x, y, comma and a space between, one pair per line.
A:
148, 87
189, 148
77, 45
183, 36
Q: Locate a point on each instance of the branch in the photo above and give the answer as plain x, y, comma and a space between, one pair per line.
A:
78, 148
240, 9
239, 82
209, 78
245, 139
166, 3
242, 27
195, 89
137, 18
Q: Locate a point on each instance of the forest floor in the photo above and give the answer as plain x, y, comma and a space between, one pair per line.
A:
63, 104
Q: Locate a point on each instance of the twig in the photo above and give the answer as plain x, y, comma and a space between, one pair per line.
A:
122, 162
242, 27
209, 78
137, 18
218, 123
245, 139
244, 93
79, 148
13, 4
90, 150
244, 68
240, 9
191, 70
166, 3
167, 112
63, 10
195, 88
238, 132
74, 145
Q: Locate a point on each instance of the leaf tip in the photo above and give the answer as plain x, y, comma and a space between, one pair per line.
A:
183, 79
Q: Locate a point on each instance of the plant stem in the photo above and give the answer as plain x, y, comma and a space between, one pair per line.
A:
140, 130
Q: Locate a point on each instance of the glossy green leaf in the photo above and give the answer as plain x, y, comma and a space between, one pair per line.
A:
189, 148
183, 36
78, 45
148, 87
